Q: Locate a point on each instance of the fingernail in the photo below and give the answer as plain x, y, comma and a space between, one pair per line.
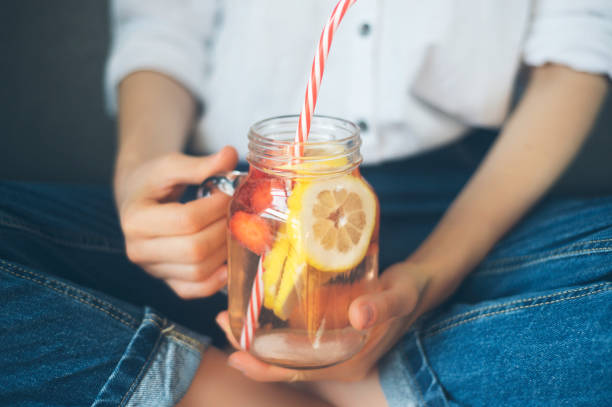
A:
368, 311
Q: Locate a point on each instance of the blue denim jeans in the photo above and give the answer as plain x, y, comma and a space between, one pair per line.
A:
77, 323
81, 325
530, 326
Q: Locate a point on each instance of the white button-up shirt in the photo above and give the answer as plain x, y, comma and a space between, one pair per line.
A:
414, 74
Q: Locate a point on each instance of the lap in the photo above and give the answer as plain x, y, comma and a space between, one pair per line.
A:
73, 232
562, 243
529, 326
63, 344
77, 324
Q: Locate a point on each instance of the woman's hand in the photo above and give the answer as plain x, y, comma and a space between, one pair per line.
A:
388, 311
183, 244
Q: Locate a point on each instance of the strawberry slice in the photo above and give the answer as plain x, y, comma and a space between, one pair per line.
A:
252, 231
264, 193
254, 173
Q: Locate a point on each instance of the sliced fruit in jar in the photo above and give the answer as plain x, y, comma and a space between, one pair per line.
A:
273, 264
264, 194
291, 282
337, 218
252, 231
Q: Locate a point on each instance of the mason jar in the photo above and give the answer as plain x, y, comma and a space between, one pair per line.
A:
303, 243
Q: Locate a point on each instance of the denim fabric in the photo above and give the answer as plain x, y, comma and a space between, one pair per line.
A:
530, 326
73, 232
157, 367
65, 344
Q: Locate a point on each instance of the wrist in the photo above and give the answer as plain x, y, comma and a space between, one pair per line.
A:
121, 173
128, 161
434, 283
135, 151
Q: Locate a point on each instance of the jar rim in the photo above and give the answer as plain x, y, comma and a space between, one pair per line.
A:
272, 145
355, 129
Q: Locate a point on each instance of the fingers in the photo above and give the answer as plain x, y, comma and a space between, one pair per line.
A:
174, 218
261, 371
223, 322
188, 249
190, 272
252, 367
399, 295
189, 289
181, 243
183, 169
354, 369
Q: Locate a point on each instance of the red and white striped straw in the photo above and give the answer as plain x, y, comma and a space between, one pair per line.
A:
310, 101
316, 74
252, 315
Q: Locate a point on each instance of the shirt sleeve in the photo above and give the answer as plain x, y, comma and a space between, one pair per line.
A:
577, 34
167, 36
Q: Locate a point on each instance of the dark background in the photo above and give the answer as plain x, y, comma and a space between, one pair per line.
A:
52, 120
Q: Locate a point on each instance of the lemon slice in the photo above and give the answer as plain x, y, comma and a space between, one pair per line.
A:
336, 219
284, 267
291, 283
295, 264
274, 264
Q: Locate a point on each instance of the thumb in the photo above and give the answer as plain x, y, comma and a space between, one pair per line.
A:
399, 295
184, 169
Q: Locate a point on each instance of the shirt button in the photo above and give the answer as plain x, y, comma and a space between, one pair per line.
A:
363, 126
365, 29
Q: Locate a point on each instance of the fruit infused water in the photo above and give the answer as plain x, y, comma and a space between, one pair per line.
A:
310, 226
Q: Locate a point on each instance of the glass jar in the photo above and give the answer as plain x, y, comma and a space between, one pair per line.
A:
303, 244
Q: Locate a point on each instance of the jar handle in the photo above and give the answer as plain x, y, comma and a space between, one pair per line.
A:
226, 182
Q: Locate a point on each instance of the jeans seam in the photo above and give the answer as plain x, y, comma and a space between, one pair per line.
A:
156, 323
132, 324
192, 343
505, 304
173, 334
438, 331
505, 260
144, 367
27, 228
537, 260
159, 321
191, 347
411, 375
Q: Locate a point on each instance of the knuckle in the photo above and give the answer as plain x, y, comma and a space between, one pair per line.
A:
207, 290
198, 272
183, 292
198, 251
188, 221
133, 253
129, 225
